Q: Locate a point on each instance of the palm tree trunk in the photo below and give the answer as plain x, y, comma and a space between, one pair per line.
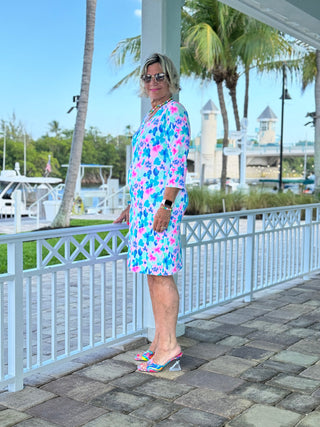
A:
225, 143
63, 216
246, 94
231, 83
233, 94
317, 127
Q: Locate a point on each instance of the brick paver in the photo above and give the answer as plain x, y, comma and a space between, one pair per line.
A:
256, 364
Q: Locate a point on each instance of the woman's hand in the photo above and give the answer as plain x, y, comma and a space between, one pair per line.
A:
124, 216
161, 219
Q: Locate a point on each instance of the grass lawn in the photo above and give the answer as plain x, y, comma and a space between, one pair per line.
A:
29, 248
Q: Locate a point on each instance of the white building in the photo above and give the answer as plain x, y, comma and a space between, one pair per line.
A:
206, 155
267, 128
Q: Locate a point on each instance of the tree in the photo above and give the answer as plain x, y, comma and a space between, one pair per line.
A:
216, 40
203, 53
257, 45
63, 216
214, 27
317, 126
55, 128
14, 130
311, 74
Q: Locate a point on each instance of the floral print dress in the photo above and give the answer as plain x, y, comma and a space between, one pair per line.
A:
160, 150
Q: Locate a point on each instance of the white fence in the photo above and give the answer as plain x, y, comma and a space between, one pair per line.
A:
79, 294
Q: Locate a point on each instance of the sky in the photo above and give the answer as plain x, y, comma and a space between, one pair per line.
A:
42, 43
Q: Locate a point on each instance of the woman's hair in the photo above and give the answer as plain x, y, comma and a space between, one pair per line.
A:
168, 68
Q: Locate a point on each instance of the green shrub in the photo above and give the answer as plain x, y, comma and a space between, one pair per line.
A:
203, 201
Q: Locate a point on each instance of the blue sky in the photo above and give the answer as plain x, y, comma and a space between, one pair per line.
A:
41, 62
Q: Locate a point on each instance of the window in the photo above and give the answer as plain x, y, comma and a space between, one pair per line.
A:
264, 126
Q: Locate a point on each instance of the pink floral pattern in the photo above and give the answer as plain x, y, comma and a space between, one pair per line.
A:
160, 150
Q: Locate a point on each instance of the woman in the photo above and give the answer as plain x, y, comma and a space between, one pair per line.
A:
158, 201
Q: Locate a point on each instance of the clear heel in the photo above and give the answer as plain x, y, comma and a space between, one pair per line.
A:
175, 367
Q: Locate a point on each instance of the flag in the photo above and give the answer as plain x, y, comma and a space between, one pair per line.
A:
48, 167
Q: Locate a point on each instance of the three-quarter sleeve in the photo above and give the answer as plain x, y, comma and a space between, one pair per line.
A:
178, 139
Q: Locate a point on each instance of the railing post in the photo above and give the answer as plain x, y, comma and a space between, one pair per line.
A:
15, 315
17, 211
249, 257
38, 214
307, 242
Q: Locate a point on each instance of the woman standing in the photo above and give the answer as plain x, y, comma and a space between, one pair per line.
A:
158, 201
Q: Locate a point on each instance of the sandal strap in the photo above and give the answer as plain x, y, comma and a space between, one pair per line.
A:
144, 357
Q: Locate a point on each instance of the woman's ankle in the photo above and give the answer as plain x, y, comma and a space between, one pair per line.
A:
169, 348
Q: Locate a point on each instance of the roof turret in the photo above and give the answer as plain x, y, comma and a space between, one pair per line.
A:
210, 107
267, 115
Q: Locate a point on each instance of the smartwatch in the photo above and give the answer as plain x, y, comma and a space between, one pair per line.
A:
167, 202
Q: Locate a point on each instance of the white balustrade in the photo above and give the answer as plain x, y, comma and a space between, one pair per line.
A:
80, 295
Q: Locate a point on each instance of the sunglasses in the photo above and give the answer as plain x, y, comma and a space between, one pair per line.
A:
159, 77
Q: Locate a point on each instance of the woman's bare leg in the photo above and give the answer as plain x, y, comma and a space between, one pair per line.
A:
155, 340
165, 304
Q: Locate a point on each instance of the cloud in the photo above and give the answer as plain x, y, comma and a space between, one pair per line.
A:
137, 12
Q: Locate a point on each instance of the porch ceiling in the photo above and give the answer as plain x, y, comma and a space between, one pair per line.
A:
299, 18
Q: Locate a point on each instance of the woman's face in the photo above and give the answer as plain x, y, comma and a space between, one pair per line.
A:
156, 91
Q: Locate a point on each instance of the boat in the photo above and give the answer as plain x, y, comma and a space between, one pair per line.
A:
29, 200
107, 198
40, 197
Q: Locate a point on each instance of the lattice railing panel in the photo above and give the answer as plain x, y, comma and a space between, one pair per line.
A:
87, 248
282, 219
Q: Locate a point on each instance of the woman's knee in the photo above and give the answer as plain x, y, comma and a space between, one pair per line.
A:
159, 279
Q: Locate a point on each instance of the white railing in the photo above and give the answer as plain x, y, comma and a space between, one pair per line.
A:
79, 294
232, 255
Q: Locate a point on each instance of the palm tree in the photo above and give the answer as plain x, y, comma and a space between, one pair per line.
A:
311, 74
63, 216
214, 29
204, 52
216, 40
317, 125
54, 128
258, 45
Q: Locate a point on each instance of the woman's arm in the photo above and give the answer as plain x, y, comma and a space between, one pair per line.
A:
163, 214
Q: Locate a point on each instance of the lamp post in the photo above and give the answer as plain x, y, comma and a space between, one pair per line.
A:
4, 147
285, 95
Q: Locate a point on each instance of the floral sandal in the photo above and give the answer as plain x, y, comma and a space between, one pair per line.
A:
155, 367
144, 357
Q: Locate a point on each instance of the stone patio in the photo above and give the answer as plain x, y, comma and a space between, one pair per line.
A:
244, 365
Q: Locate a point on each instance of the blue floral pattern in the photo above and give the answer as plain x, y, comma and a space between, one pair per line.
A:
160, 150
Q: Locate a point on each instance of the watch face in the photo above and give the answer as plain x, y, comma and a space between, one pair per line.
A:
168, 202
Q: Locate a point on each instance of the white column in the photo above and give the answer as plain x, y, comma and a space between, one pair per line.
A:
161, 33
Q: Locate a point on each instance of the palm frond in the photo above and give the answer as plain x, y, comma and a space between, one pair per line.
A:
206, 44
309, 69
134, 74
125, 48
